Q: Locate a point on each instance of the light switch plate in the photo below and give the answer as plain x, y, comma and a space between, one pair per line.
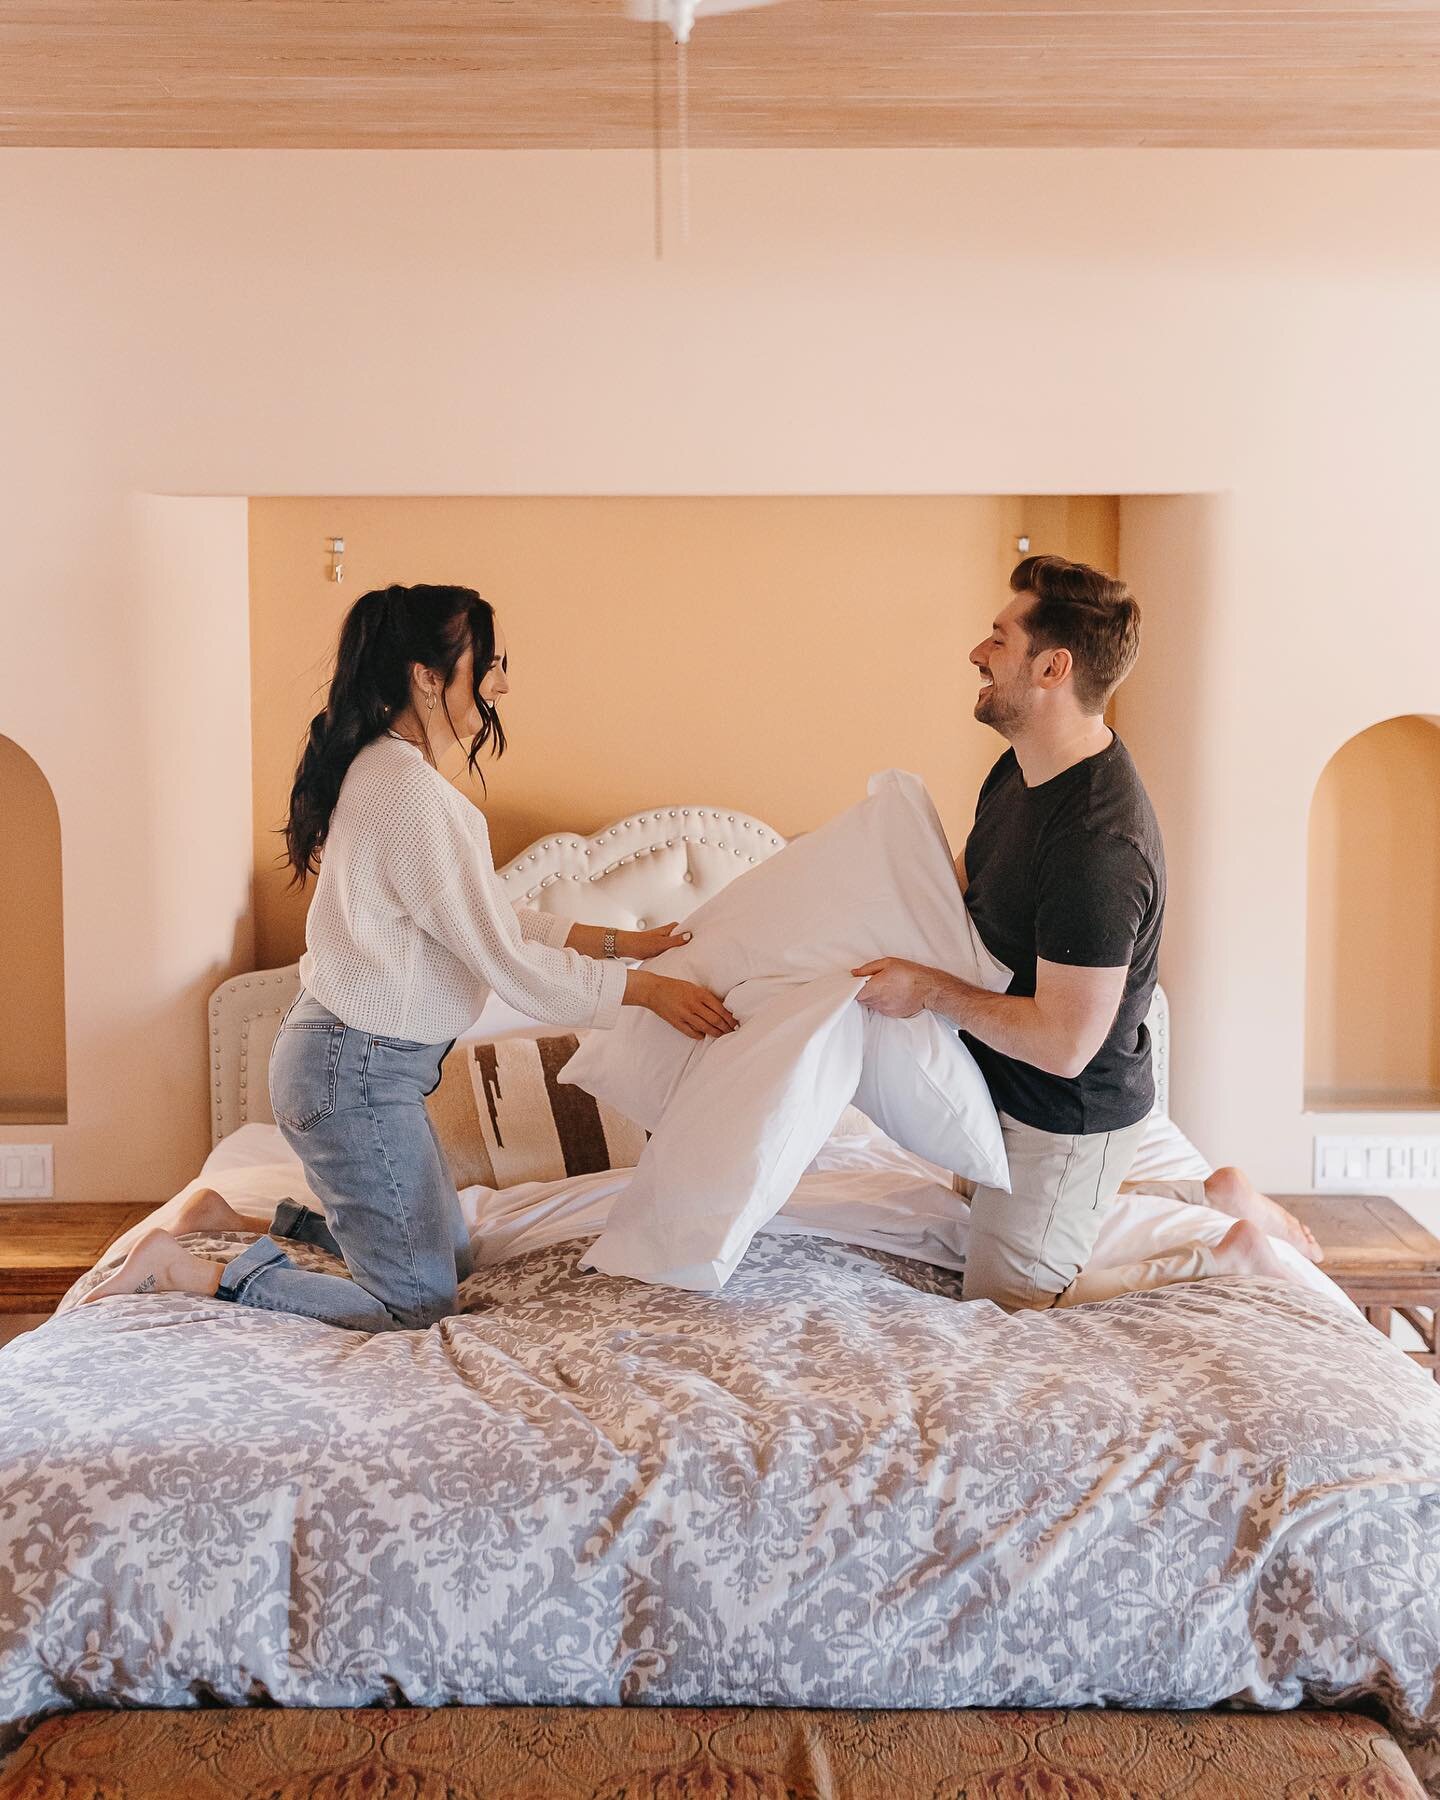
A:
27, 1172
1366, 1164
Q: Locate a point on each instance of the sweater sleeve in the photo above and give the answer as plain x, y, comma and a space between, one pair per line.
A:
448, 884
538, 927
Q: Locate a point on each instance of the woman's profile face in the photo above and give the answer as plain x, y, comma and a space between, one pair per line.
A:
496, 682
460, 695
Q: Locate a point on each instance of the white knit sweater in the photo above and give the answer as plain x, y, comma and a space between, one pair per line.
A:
410, 928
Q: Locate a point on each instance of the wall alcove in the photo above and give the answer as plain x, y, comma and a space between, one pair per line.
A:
1372, 1028
32, 947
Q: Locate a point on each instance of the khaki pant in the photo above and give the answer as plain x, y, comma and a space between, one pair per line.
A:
1029, 1248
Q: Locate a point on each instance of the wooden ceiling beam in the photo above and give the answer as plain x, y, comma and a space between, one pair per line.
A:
573, 74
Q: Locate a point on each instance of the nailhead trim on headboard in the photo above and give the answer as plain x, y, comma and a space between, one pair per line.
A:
606, 842
265, 994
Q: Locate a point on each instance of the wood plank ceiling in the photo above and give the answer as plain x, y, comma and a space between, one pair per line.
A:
527, 74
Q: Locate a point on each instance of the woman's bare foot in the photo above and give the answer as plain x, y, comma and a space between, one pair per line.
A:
202, 1210
1232, 1191
156, 1264
1245, 1250
205, 1210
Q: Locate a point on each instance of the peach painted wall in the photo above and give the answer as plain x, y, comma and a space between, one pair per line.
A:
1255, 326
32, 944
1372, 1022
766, 654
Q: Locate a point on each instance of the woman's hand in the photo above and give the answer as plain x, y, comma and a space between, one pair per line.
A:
642, 945
691, 1009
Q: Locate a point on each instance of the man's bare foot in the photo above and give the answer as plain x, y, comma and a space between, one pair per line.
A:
1246, 1250
1232, 1191
156, 1264
202, 1210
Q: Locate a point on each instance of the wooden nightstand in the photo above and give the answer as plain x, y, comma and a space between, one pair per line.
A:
1386, 1261
45, 1246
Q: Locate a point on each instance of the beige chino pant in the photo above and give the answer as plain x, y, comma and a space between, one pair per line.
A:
1029, 1249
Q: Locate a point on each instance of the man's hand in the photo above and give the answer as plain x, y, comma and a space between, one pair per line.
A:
896, 988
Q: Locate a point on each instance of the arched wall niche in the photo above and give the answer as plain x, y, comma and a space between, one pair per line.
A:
1372, 1025
32, 946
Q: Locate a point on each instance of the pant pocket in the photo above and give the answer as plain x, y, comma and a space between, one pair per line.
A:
305, 1074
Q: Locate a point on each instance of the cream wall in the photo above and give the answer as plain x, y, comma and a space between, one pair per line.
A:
766, 654
1254, 326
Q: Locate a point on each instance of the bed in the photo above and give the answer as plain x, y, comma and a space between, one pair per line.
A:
829, 1486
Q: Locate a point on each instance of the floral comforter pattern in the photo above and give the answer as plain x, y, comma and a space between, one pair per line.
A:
829, 1485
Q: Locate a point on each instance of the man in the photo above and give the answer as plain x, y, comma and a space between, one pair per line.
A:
1064, 875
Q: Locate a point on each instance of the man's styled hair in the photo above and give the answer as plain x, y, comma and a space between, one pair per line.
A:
1092, 615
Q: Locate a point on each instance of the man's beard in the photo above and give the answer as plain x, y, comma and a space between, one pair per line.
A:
1004, 713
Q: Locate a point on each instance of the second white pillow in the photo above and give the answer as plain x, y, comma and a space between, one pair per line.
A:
923, 1088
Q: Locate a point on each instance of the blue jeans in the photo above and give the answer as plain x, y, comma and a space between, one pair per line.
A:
351, 1105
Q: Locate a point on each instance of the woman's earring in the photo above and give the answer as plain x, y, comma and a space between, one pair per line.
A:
430, 703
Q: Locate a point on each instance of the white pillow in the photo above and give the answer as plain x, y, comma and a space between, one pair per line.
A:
908, 1087
879, 880
751, 1112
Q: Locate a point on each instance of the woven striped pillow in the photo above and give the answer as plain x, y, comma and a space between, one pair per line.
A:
502, 1116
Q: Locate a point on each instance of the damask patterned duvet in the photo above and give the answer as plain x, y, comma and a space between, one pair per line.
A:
830, 1484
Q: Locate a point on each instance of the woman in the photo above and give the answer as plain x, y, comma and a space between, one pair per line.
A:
408, 933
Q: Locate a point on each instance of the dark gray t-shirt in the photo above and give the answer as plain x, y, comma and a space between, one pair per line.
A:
1071, 871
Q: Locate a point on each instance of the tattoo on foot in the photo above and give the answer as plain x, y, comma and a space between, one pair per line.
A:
147, 1286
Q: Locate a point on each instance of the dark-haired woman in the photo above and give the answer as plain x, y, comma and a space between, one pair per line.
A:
410, 929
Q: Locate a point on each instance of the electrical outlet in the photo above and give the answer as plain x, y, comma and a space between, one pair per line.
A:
1349, 1164
27, 1172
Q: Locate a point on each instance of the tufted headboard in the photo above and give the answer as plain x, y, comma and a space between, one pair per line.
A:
641, 871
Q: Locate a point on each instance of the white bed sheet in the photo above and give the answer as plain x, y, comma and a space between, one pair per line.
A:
861, 1189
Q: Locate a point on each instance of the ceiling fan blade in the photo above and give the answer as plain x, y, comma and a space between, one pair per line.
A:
662, 12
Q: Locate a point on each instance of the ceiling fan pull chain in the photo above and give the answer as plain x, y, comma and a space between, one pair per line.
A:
682, 132
658, 135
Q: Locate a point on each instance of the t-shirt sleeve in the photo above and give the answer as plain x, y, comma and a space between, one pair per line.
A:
1093, 893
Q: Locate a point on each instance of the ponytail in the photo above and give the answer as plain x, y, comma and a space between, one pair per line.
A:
385, 633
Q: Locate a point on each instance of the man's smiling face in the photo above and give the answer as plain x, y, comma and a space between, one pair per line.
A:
1005, 665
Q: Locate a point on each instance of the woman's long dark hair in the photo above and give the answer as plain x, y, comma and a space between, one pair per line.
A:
384, 634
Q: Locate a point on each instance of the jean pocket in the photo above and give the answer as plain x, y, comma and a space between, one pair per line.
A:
305, 1073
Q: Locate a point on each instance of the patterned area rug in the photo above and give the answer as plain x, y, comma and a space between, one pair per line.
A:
639, 1753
